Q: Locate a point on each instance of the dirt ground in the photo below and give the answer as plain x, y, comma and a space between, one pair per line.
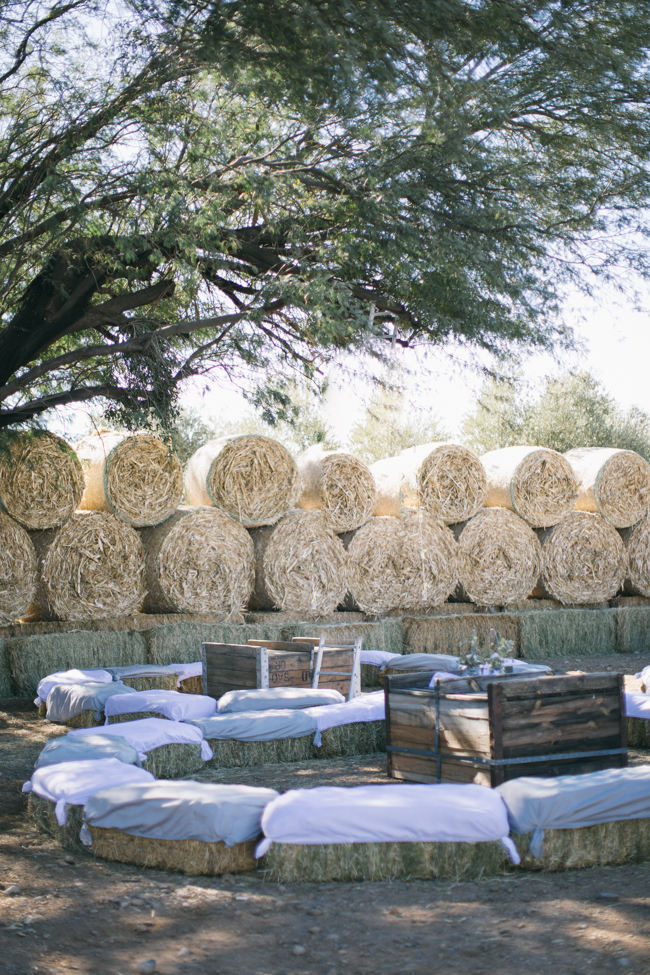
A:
62, 914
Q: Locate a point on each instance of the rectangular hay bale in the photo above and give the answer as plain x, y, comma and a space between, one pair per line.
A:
452, 633
633, 629
561, 632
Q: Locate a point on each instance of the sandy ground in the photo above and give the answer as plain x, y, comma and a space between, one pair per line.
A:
62, 914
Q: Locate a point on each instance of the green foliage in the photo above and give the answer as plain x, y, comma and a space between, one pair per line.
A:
189, 186
390, 425
572, 411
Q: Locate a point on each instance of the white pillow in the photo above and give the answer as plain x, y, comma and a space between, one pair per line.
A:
276, 697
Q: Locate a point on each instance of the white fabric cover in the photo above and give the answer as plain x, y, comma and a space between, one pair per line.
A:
66, 701
46, 684
378, 658
425, 661
181, 810
149, 733
574, 801
258, 725
139, 670
386, 814
637, 704
170, 704
184, 671
644, 677
364, 707
518, 667
69, 749
71, 783
276, 697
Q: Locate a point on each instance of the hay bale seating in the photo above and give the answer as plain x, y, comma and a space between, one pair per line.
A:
135, 476
637, 709
82, 705
18, 570
301, 566
614, 483
41, 480
199, 561
406, 563
156, 703
254, 479
499, 557
338, 485
167, 749
637, 543
536, 483
93, 568
445, 479
583, 559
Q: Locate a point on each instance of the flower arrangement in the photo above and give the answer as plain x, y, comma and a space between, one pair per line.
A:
487, 659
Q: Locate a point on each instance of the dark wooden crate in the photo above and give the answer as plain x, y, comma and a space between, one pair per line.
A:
491, 729
259, 664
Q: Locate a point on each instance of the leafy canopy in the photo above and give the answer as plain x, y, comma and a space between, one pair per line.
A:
191, 185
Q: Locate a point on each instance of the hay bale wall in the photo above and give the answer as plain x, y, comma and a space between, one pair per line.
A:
499, 557
583, 559
18, 570
254, 479
614, 483
337, 484
385, 634
633, 630
135, 476
41, 480
452, 634
637, 545
200, 560
181, 642
570, 632
536, 483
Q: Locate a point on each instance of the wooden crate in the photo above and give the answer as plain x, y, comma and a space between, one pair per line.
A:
491, 729
229, 667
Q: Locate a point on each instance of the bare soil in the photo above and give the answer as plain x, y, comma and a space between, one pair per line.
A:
62, 914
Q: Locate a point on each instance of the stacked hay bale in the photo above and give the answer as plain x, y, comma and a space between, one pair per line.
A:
338, 485
301, 565
499, 558
446, 480
252, 478
614, 483
536, 483
199, 561
402, 563
637, 544
583, 559
18, 570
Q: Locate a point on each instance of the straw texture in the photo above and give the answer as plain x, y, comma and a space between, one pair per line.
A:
41, 481
18, 570
252, 478
173, 761
615, 483
42, 813
637, 543
535, 482
191, 857
94, 568
337, 484
199, 561
402, 563
135, 476
583, 559
303, 565
622, 841
445, 479
499, 557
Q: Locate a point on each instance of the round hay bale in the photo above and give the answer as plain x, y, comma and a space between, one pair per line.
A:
445, 479
499, 557
304, 565
254, 479
41, 481
199, 561
135, 476
637, 543
615, 483
407, 563
94, 568
583, 559
536, 483
337, 484
18, 570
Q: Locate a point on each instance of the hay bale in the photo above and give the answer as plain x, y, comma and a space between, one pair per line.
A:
181, 642
150, 682
452, 634
357, 738
199, 561
386, 634
535, 482
406, 563
135, 476
445, 479
41, 480
633, 629
615, 483
295, 863
499, 557
252, 478
192, 857
42, 813
567, 632
583, 559
173, 761
605, 844
7, 686
18, 570
301, 565
638, 733
94, 568
637, 543
337, 484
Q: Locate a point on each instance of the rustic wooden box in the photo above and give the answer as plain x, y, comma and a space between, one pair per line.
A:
259, 663
491, 729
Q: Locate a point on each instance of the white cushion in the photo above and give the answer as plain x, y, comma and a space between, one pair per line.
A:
276, 697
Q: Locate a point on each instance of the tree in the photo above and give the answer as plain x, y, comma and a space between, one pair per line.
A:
392, 424
571, 411
199, 185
